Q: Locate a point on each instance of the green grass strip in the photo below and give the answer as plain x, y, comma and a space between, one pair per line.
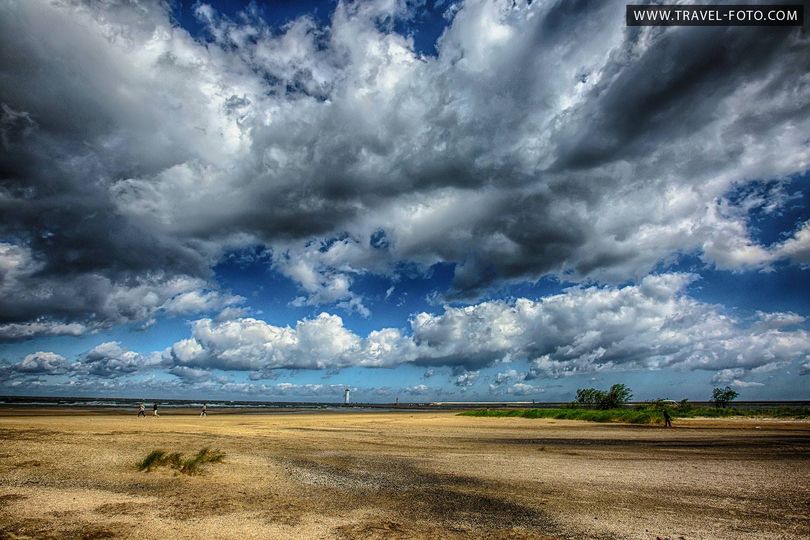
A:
641, 415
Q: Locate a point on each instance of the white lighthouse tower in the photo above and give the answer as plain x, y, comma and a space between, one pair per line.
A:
346, 396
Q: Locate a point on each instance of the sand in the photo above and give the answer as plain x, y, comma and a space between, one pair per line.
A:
402, 475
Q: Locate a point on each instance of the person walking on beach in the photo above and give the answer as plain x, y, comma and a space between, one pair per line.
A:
667, 419
204, 411
155, 409
141, 411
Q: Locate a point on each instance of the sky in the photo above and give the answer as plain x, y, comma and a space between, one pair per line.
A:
417, 200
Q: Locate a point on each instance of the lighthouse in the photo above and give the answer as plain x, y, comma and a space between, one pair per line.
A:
345, 396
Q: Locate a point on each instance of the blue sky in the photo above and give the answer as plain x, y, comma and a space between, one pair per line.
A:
427, 201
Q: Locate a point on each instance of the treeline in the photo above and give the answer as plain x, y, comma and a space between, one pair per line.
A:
619, 394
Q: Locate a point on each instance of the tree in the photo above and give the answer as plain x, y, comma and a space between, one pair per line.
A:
589, 397
723, 396
617, 396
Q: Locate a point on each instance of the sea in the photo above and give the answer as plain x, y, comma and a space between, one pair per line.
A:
242, 406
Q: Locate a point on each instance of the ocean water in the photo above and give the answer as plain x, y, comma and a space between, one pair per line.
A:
128, 403
257, 406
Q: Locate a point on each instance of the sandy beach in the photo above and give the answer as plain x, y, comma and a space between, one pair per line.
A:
402, 475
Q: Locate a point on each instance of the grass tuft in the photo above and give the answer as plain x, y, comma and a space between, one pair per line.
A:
190, 466
174, 460
155, 458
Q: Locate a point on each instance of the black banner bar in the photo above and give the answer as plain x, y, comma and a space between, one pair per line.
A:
716, 15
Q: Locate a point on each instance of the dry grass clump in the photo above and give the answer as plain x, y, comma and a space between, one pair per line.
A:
174, 460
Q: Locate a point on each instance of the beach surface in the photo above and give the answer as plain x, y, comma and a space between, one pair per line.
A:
73, 474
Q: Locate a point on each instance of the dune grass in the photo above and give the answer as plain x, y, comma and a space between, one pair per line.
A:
189, 466
155, 458
192, 465
640, 415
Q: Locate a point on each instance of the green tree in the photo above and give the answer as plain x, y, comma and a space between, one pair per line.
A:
723, 396
618, 395
589, 397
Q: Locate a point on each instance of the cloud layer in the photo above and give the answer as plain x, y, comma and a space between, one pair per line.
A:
541, 139
585, 330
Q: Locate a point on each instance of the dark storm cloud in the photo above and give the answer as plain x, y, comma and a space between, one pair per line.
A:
543, 139
69, 131
676, 87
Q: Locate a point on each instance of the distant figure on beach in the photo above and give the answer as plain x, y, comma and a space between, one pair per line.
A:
141, 411
204, 411
667, 419
154, 409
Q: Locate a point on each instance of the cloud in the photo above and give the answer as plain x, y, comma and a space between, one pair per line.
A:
725, 376
27, 330
542, 139
733, 377
511, 375
523, 389
46, 363
510, 382
652, 325
746, 384
797, 247
33, 303
584, 330
649, 326
306, 390
252, 344
190, 374
105, 361
109, 360
466, 379
418, 390
197, 301
322, 282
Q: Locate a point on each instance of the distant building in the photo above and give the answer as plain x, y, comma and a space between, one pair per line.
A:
346, 396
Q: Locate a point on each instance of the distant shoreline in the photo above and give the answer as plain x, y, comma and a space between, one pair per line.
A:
50, 410
42, 405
